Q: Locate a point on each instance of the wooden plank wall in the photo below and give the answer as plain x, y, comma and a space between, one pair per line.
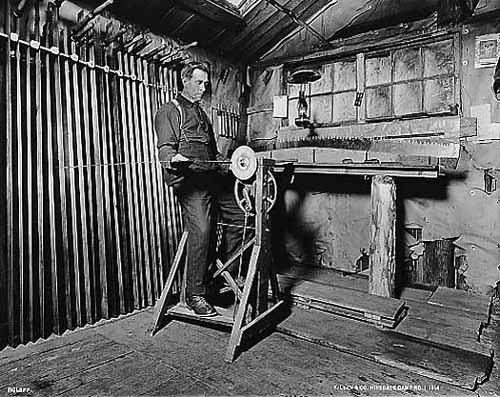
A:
88, 228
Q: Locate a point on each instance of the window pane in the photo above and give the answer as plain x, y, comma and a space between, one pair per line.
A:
324, 84
439, 59
378, 102
407, 64
292, 111
293, 90
321, 109
343, 106
439, 95
378, 71
407, 98
344, 76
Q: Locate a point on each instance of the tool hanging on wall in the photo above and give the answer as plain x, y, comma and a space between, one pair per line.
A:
225, 121
62, 209
82, 24
27, 319
50, 128
137, 154
154, 52
111, 38
18, 176
17, 11
139, 45
168, 57
126, 45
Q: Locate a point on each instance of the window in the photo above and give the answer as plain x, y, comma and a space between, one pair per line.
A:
411, 81
401, 82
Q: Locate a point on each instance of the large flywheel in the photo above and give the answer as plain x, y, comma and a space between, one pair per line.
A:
244, 168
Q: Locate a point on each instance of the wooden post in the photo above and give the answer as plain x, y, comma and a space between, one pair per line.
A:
383, 236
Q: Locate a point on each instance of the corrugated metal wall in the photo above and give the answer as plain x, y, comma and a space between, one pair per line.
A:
87, 228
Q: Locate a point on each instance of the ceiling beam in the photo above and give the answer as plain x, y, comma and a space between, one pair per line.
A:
282, 38
216, 10
298, 21
455, 11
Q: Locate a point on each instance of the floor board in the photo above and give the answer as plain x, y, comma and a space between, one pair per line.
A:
450, 317
443, 334
456, 299
121, 358
437, 362
49, 366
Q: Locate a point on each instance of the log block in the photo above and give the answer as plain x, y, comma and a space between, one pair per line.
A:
383, 236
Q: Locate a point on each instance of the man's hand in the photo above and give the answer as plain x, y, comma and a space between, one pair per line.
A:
179, 157
179, 160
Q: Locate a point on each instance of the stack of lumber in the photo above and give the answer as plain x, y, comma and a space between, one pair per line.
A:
352, 303
439, 337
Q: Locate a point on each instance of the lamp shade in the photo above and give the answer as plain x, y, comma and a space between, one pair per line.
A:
303, 76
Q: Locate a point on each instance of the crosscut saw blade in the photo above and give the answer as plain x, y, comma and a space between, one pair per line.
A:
432, 146
409, 151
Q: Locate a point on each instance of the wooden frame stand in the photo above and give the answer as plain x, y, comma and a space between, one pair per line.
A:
258, 304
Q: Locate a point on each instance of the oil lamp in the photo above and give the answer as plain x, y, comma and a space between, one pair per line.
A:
303, 77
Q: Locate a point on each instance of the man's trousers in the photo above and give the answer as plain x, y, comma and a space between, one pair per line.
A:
206, 198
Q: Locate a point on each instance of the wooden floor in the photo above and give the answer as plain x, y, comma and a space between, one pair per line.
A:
119, 357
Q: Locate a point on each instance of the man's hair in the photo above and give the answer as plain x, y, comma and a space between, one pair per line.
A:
190, 67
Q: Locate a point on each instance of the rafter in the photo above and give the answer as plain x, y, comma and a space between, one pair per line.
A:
298, 21
215, 10
455, 11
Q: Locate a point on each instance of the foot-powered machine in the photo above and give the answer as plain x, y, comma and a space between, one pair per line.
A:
257, 303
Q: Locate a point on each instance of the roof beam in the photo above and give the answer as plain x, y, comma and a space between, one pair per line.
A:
455, 11
298, 21
216, 10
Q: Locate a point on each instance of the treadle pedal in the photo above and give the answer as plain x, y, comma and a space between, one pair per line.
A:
223, 317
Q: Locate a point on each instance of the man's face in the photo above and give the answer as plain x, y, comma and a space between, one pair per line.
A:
195, 87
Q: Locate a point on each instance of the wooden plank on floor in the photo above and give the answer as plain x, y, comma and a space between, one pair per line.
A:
62, 362
366, 317
457, 299
445, 364
444, 315
443, 334
327, 276
70, 383
10, 354
147, 375
130, 374
491, 335
415, 294
184, 386
352, 300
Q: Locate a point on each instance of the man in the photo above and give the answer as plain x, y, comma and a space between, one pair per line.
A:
187, 150
496, 81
